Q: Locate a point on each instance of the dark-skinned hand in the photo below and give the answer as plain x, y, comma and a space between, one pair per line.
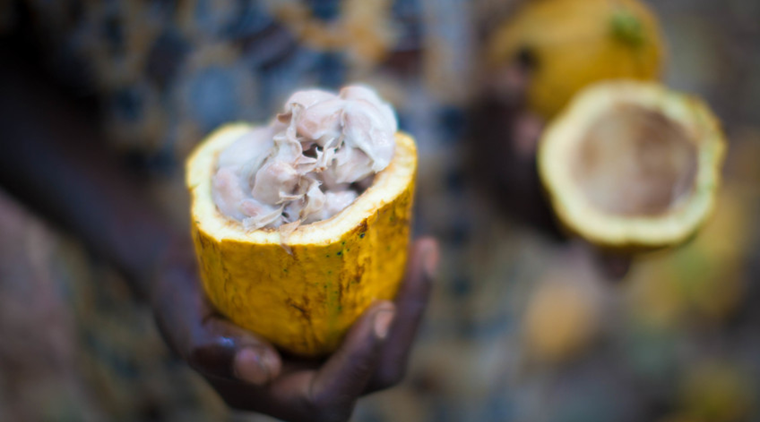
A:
507, 133
250, 374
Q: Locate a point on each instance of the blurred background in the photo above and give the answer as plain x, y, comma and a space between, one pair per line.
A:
525, 324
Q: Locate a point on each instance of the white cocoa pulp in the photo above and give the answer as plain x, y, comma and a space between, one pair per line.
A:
310, 162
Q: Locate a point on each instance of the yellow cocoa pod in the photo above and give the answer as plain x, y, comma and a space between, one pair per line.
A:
303, 292
570, 44
632, 166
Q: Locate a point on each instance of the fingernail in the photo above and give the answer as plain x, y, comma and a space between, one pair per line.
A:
383, 321
251, 366
430, 260
271, 361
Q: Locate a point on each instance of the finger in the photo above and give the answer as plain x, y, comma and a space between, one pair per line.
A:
345, 375
411, 302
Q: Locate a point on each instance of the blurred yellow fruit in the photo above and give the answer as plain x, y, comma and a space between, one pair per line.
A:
632, 166
569, 44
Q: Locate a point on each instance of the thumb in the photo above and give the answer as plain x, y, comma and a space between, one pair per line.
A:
345, 375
